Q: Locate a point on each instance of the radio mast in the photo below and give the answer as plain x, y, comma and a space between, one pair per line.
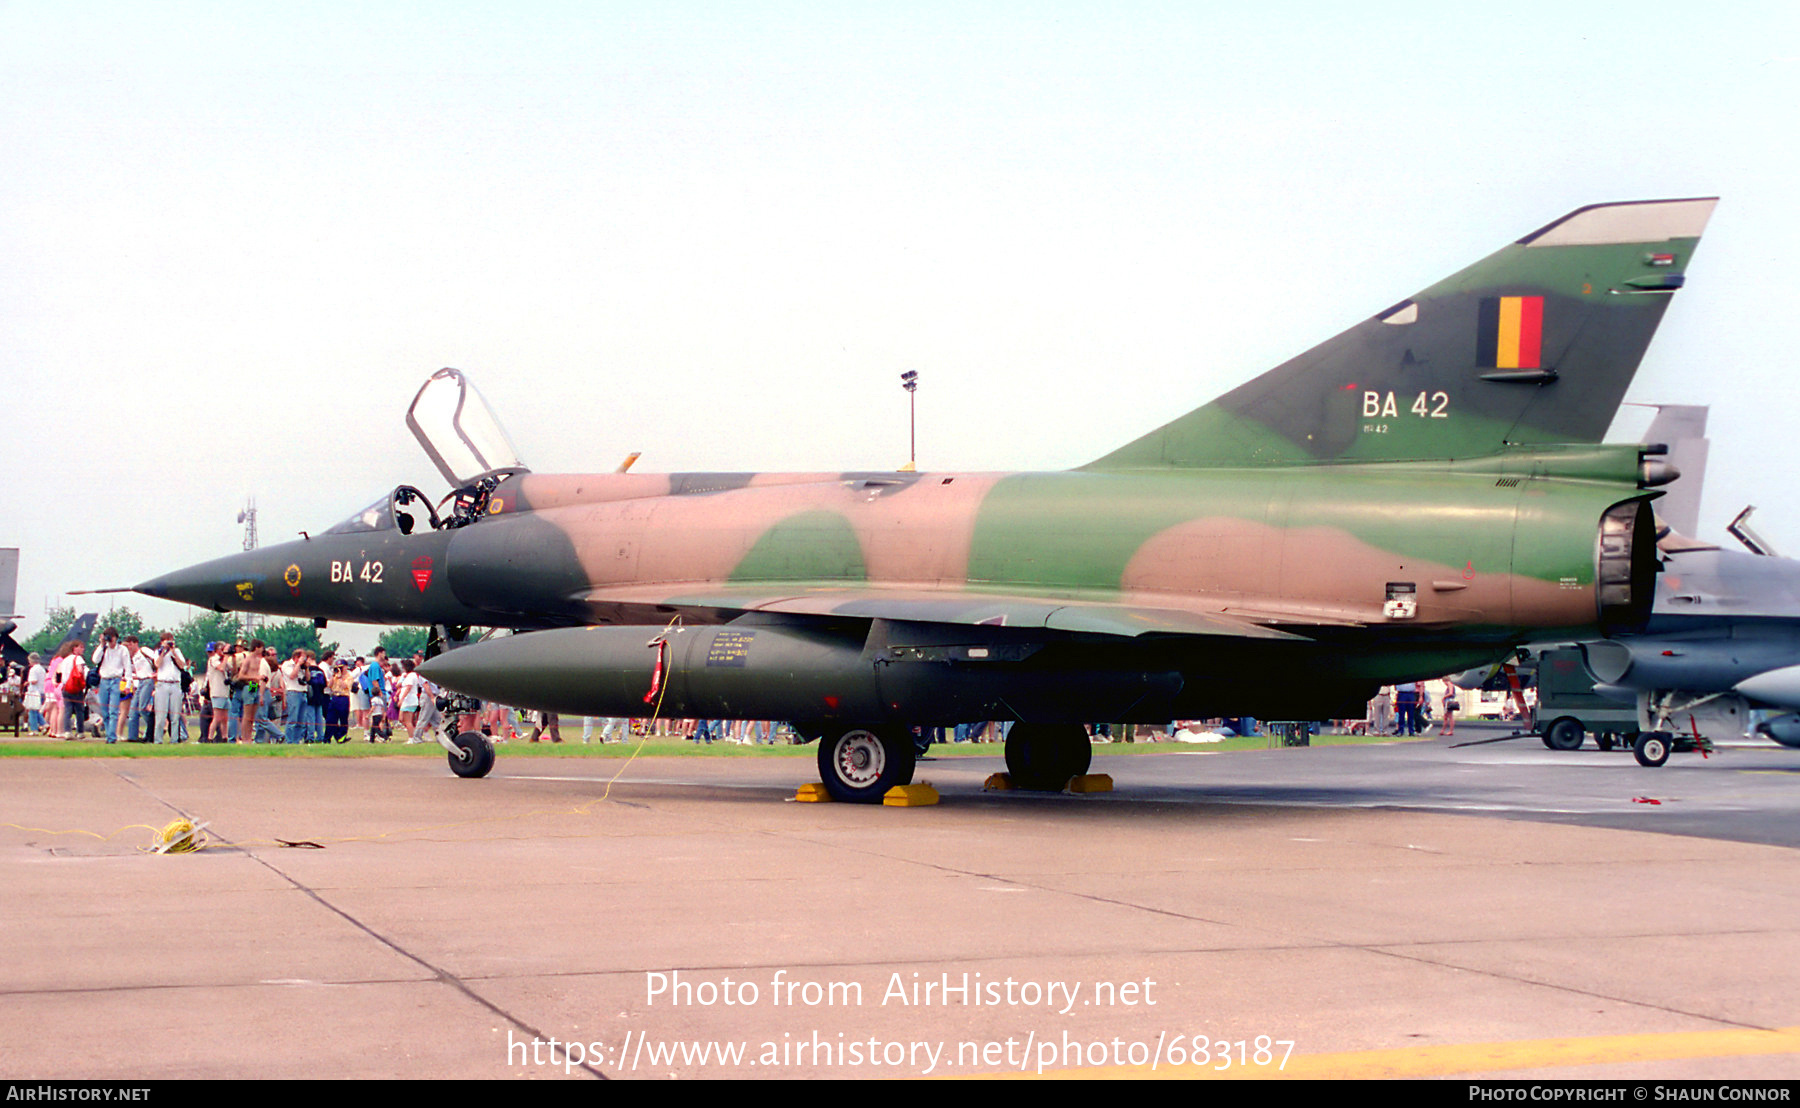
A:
253, 621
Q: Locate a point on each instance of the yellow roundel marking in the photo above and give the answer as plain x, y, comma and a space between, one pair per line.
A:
292, 576
496, 506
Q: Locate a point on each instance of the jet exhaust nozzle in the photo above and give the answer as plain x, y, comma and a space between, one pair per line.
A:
1655, 473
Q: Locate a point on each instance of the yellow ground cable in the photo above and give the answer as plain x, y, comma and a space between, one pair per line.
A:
171, 831
178, 836
90, 834
168, 832
649, 724
662, 690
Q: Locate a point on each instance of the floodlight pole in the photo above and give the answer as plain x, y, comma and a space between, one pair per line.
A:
910, 382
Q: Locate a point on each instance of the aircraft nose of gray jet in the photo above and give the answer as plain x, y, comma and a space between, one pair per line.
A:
182, 585
207, 585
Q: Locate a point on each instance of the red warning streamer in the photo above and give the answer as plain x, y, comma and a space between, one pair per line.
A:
656, 675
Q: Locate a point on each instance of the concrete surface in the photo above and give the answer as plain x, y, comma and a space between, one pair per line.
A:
443, 920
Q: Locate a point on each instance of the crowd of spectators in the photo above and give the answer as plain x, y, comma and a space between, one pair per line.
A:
240, 692
243, 692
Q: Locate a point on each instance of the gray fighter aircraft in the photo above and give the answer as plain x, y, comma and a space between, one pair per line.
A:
1723, 639
10, 651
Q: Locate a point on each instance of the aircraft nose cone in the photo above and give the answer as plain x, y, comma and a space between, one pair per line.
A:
207, 585
163, 588
184, 585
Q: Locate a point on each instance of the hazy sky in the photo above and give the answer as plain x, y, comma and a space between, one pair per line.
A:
237, 236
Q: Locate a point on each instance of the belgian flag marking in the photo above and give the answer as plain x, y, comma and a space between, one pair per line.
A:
1509, 333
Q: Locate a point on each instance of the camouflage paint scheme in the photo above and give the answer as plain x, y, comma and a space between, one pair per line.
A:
1243, 557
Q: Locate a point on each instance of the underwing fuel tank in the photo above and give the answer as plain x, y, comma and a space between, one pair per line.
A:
860, 671
1784, 729
1755, 660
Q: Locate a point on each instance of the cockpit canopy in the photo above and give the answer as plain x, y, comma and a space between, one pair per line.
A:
462, 438
378, 516
401, 510
458, 431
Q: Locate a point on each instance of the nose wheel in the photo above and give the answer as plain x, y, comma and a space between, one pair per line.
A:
471, 754
1651, 748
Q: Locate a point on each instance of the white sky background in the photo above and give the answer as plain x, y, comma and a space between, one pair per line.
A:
236, 237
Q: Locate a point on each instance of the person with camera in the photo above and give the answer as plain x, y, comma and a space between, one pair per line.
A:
294, 674
171, 667
110, 659
218, 688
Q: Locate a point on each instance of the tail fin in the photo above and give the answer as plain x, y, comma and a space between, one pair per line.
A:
9, 582
1682, 428
1535, 343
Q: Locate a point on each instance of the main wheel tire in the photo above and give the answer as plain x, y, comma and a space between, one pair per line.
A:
860, 764
1043, 756
479, 755
1606, 740
1651, 748
1564, 733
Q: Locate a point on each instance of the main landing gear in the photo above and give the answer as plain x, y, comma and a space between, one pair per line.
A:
1043, 756
859, 764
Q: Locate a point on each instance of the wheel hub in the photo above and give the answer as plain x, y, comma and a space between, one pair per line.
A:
860, 759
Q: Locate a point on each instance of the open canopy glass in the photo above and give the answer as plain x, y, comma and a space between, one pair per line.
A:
458, 430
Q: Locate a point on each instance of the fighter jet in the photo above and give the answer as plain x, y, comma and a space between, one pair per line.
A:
1414, 496
11, 653
1723, 641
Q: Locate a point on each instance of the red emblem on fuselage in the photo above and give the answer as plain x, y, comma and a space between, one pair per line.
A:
421, 568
